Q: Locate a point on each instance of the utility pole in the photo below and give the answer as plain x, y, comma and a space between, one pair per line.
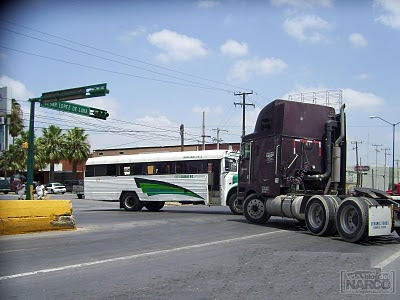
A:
397, 162
376, 166
182, 131
384, 171
218, 140
243, 104
204, 132
357, 166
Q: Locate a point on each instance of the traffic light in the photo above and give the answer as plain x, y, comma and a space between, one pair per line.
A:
25, 145
98, 113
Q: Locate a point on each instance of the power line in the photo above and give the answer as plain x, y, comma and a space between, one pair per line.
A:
122, 56
113, 72
108, 59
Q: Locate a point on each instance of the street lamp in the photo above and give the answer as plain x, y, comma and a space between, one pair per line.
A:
394, 126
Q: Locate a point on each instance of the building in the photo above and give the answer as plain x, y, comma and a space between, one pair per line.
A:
5, 112
193, 147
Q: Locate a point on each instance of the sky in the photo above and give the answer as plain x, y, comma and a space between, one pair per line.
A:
165, 62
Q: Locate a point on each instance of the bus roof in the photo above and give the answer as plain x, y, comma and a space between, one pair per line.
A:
161, 156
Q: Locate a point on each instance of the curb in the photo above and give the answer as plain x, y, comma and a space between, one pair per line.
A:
23, 216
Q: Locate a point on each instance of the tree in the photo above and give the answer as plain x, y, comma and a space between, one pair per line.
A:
15, 159
17, 123
77, 148
51, 146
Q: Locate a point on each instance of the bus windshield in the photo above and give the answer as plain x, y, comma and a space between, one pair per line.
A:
231, 165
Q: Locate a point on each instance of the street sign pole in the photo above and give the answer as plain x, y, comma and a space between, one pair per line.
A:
47, 100
31, 160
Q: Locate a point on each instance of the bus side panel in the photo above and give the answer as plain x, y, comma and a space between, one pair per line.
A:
177, 187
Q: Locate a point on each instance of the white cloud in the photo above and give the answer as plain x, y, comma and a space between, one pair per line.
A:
362, 101
307, 28
233, 48
358, 101
363, 76
175, 46
218, 110
207, 3
302, 3
357, 40
16, 89
156, 120
391, 16
131, 34
242, 70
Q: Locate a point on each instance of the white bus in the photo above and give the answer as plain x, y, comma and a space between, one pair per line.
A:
189, 177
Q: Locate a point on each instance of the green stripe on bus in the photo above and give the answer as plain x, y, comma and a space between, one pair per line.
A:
155, 187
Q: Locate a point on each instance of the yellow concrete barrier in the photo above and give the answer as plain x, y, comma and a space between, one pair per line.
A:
21, 216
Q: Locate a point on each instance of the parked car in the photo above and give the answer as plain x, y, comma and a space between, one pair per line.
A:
55, 188
5, 185
70, 183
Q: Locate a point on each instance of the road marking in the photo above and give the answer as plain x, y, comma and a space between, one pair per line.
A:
388, 260
109, 260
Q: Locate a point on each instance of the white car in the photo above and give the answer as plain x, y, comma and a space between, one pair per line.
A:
55, 188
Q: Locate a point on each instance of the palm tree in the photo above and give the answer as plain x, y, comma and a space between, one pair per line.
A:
51, 145
77, 148
17, 123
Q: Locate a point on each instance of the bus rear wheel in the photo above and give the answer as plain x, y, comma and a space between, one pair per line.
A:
131, 202
233, 205
154, 206
254, 210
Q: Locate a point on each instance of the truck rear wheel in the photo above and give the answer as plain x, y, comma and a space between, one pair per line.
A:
131, 202
320, 215
254, 209
233, 205
80, 196
154, 206
352, 220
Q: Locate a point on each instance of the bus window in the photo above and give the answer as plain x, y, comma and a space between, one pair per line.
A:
89, 172
150, 170
136, 169
231, 165
124, 170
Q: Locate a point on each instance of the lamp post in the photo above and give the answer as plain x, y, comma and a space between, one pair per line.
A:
394, 126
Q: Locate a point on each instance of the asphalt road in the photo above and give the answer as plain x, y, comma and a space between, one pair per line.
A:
183, 252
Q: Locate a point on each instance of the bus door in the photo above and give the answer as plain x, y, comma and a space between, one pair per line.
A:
229, 168
214, 182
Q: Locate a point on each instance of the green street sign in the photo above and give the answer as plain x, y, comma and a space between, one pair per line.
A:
90, 91
68, 107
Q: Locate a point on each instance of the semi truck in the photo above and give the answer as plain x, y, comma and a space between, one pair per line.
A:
293, 165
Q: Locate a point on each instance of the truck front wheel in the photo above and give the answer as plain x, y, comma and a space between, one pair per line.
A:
254, 210
131, 202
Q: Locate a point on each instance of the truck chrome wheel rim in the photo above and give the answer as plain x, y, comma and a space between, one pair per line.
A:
256, 208
349, 219
316, 215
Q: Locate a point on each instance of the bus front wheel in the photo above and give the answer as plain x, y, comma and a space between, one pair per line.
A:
233, 205
131, 202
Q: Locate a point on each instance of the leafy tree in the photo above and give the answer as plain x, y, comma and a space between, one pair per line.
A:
17, 123
77, 148
15, 159
51, 146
